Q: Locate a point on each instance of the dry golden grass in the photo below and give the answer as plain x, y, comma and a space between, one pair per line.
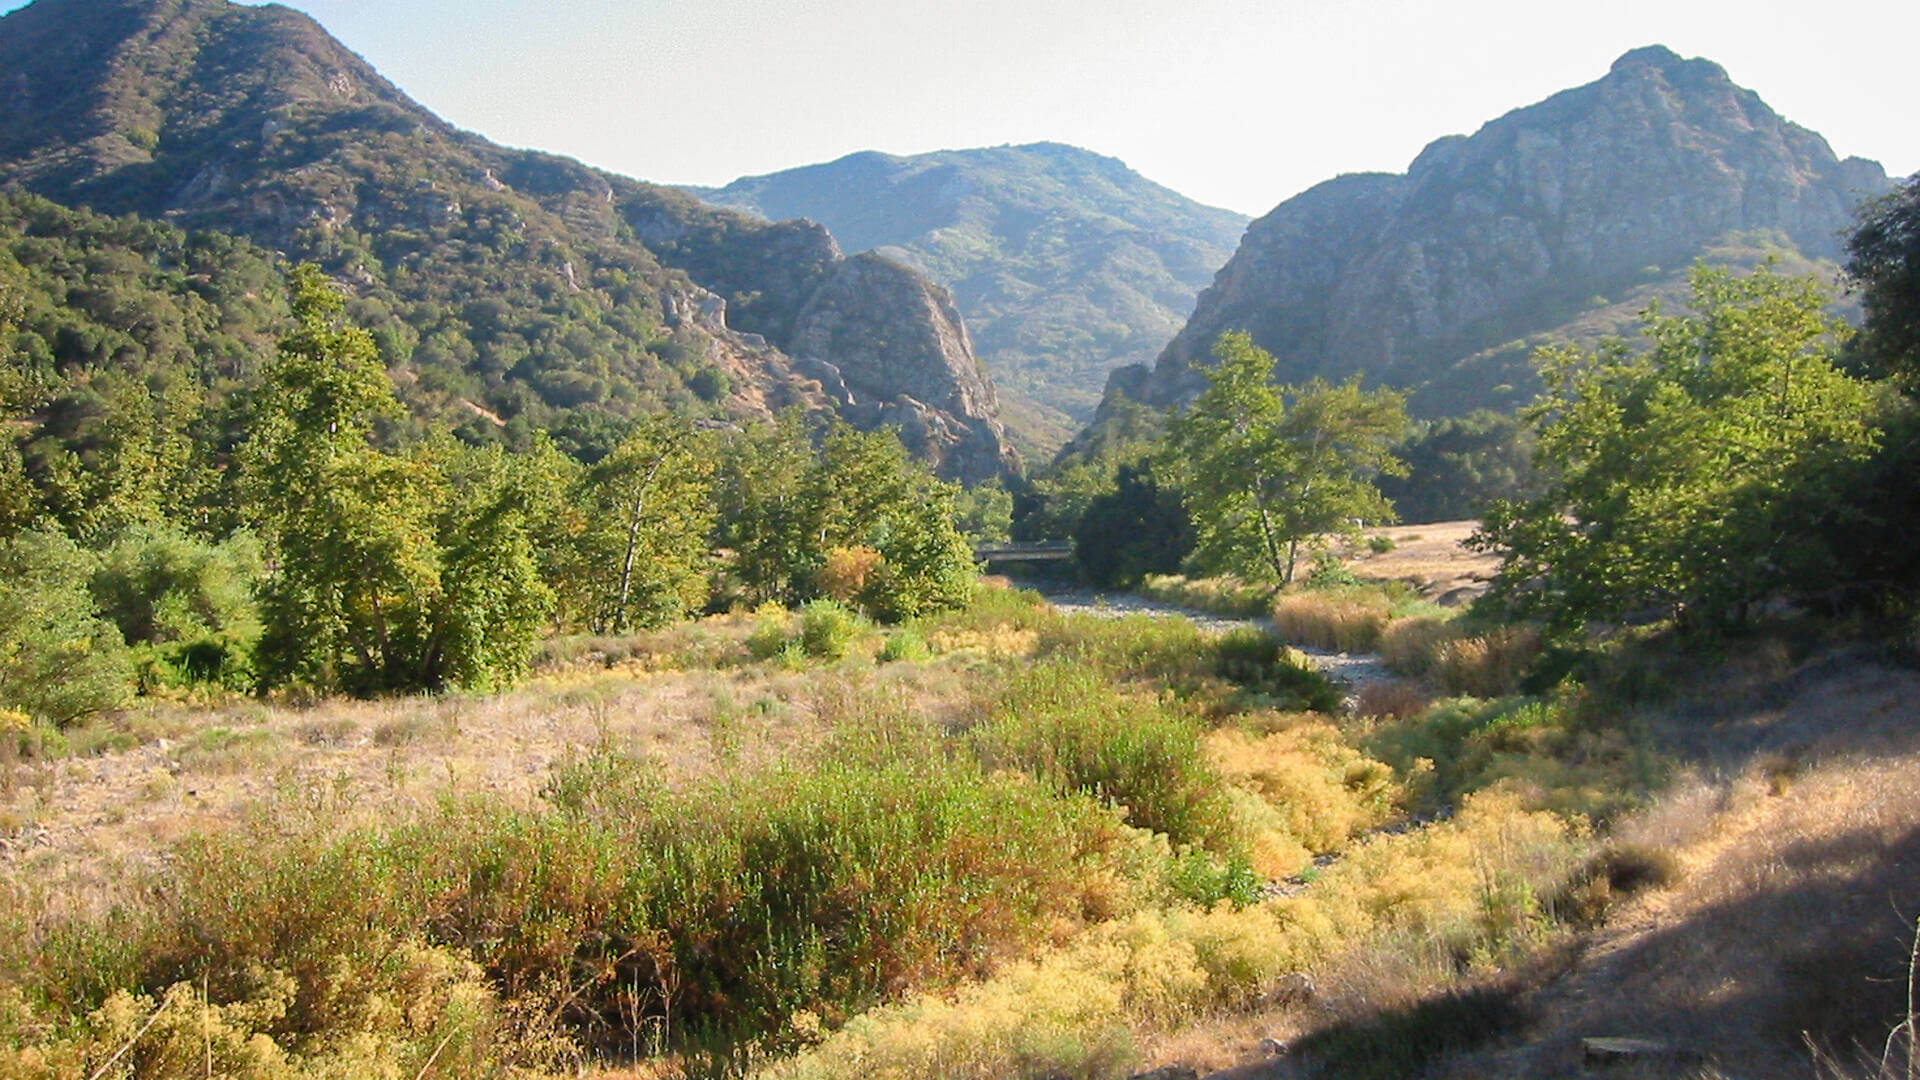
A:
1489, 665
1339, 622
1432, 559
1411, 646
1391, 698
183, 770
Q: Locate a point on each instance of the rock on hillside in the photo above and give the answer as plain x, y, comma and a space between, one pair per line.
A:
529, 284
890, 348
1065, 263
1557, 219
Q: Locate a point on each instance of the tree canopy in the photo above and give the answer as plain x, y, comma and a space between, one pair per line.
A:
1696, 476
1266, 468
1883, 261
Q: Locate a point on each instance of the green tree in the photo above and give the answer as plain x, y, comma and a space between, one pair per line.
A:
641, 555
59, 660
866, 493
767, 513
19, 392
1458, 466
1126, 433
1883, 263
389, 571
1696, 476
787, 510
1140, 528
984, 513
1265, 469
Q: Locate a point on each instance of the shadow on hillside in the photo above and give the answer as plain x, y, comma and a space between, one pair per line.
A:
1748, 982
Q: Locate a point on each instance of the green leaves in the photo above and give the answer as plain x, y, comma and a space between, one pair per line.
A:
1262, 474
390, 571
1695, 477
637, 552
786, 510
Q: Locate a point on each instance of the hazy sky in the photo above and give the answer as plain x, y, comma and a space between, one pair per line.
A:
1239, 103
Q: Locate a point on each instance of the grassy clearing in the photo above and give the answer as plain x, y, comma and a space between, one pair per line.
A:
1002, 842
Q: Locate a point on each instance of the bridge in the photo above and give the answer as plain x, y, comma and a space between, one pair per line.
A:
1008, 553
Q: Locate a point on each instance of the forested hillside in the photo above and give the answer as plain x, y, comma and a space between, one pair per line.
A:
509, 284
1065, 263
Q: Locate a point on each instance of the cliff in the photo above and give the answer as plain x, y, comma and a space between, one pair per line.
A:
1557, 220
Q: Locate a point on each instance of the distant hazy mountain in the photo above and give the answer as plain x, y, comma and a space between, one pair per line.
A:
1066, 264
505, 284
1559, 220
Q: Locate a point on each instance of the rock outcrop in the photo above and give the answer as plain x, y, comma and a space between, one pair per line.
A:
889, 346
1557, 219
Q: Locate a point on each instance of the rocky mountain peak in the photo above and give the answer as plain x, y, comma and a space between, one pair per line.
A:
1561, 216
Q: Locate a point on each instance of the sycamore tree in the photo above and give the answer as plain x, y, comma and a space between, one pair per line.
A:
1696, 476
640, 553
1267, 469
1883, 263
387, 570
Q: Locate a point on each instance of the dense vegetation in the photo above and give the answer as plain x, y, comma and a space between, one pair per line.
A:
932, 827
314, 536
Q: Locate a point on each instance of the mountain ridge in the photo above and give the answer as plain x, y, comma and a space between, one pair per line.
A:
1065, 262
1559, 219
524, 281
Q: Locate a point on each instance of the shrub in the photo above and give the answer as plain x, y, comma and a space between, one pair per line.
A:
1321, 792
847, 572
1391, 698
1066, 724
58, 660
1489, 665
1380, 544
827, 629
160, 586
1411, 646
742, 899
1226, 595
769, 634
905, 644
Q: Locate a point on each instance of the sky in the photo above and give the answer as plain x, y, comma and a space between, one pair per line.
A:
1236, 103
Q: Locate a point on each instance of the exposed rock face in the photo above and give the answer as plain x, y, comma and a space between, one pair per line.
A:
1065, 263
889, 345
252, 120
1577, 208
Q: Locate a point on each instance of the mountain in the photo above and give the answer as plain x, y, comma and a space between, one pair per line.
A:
504, 284
1066, 264
1556, 221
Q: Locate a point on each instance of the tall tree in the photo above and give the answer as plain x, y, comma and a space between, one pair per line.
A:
857, 504
389, 571
1883, 261
1696, 476
642, 553
1266, 469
